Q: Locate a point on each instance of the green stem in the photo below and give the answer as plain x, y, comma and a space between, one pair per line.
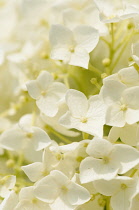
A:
121, 52
94, 69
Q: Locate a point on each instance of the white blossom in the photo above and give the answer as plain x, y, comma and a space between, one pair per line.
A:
73, 47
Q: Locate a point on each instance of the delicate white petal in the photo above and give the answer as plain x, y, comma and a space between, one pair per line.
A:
115, 116
48, 104
60, 36
127, 156
47, 189
98, 148
131, 97
33, 89
44, 80
77, 194
106, 187
112, 91
10, 202
77, 103
86, 37
34, 171
128, 134
80, 57
62, 203
132, 116
94, 169
61, 53
114, 134
40, 139
13, 139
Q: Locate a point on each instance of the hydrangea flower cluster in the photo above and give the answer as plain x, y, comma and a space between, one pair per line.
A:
69, 110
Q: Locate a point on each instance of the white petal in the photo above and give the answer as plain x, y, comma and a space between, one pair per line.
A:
40, 139
86, 37
128, 134
10, 202
115, 116
107, 187
121, 200
60, 36
131, 97
62, 204
26, 193
47, 189
132, 116
44, 80
112, 91
34, 171
59, 89
129, 76
114, 134
98, 148
127, 156
97, 108
79, 58
77, 194
48, 104
77, 103
33, 89
94, 169
13, 139
61, 53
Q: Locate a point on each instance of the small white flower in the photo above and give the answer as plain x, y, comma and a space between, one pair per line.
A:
121, 189
60, 192
115, 11
27, 200
73, 47
84, 115
122, 103
47, 93
105, 160
127, 76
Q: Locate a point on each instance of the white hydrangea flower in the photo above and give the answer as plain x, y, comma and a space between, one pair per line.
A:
73, 47
90, 16
56, 157
20, 136
127, 76
121, 189
115, 11
47, 93
84, 115
60, 192
122, 103
129, 134
27, 200
105, 160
